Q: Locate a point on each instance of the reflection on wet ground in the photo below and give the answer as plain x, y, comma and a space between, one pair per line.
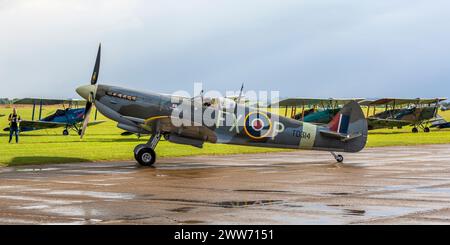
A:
393, 185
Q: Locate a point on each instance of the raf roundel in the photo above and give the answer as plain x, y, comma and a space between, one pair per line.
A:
257, 125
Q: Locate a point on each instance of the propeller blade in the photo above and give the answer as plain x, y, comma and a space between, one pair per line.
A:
84, 90
97, 66
87, 114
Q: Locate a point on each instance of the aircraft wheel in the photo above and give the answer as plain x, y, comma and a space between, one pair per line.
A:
426, 129
145, 155
339, 158
65, 132
79, 131
415, 130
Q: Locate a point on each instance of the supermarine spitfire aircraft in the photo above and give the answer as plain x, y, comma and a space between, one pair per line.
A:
67, 118
153, 113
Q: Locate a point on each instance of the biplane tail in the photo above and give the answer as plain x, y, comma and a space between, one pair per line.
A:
350, 126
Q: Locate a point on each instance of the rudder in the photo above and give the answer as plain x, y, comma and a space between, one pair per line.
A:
350, 120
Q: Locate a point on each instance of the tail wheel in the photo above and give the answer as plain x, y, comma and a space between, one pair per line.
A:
65, 132
415, 130
339, 158
145, 156
426, 129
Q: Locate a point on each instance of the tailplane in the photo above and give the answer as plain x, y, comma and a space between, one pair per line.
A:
350, 126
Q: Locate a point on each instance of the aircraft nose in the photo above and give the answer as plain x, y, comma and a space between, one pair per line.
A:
85, 90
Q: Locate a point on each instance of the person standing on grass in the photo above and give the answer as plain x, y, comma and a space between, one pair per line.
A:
14, 120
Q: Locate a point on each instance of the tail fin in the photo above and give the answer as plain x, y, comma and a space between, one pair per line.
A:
351, 123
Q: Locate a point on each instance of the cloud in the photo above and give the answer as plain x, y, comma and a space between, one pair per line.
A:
302, 48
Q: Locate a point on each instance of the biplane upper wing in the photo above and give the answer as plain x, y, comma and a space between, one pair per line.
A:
38, 101
401, 102
315, 101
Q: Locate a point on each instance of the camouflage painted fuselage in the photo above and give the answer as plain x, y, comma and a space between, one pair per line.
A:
140, 112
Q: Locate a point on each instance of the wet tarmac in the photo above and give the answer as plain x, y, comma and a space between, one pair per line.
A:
390, 185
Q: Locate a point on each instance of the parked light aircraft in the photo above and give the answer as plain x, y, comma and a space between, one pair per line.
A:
160, 115
68, 118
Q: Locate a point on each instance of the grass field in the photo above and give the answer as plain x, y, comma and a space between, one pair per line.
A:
104, 143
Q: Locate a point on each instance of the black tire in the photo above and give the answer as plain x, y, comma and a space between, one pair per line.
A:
339, 158
145, 156
65, 132
414, 130
426, 129
80, 131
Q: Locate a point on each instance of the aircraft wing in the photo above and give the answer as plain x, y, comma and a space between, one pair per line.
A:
380, 123
437, 121
298, 102
35, 125
401, 102
341, 136
38, 101
191, 135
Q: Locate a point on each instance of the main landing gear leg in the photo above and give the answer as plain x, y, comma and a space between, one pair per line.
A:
145, 153
338, 157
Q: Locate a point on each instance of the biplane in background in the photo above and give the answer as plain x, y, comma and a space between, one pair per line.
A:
444, 106
440, 123
418, 113
319, 111
70, 117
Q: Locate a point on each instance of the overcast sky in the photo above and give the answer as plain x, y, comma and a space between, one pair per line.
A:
314, 48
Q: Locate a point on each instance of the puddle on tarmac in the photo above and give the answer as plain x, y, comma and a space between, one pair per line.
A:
94, 194
31, 207
335, 205
440, 190
339, 193
41, 200
293, 206
72, 211
181, 209
35, 169
226, 204
108, 172
234, 204
262, 191
191, 222
134, 217
356, 212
